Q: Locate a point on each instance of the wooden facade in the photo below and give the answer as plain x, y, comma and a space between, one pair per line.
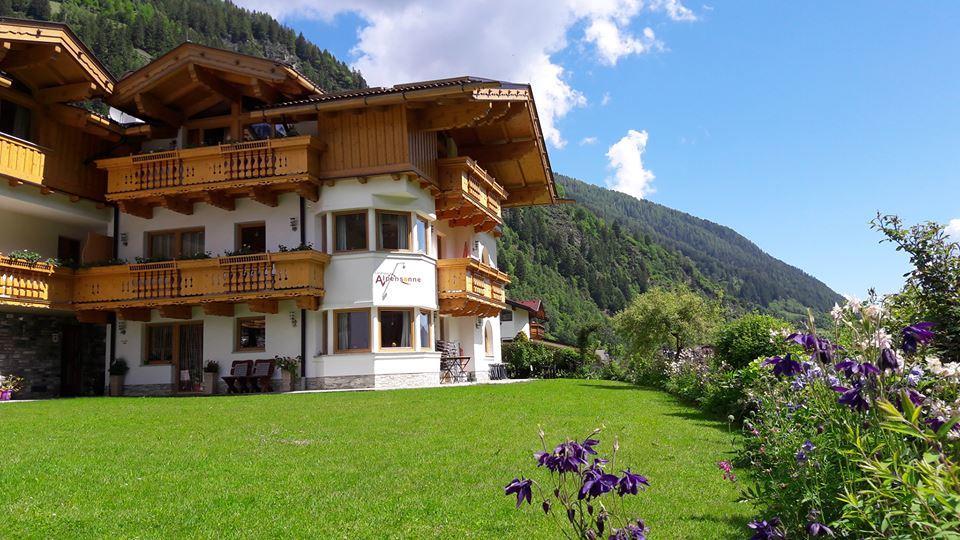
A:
468, 287
469, 197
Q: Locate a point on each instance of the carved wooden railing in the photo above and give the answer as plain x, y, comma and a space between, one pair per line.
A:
21, 160
537, 330
33, 284
196, 169
469, 287
468, 194
264, 275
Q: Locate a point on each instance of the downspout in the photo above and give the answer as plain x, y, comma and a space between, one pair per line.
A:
303, 312
113, 318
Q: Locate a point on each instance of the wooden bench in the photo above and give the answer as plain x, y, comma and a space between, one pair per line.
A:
261, 378
239, 373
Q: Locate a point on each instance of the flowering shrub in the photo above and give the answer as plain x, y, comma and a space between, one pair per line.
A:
857, 439
752, 336
575, 491
11, 383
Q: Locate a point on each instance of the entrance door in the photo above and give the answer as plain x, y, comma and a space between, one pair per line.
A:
190, 358
70, 373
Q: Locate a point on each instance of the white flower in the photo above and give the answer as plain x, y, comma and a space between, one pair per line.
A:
873, 312
836, 312
854, 304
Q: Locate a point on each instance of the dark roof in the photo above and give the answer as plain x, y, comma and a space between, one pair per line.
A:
396, 89
533, 306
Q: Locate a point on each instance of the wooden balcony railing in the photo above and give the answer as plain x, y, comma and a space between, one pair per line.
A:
259, 169
38, 284
21, 160
242, 278
467, 287
537, 330
469, 196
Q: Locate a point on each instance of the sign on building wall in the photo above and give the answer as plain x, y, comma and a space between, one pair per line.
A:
399, 283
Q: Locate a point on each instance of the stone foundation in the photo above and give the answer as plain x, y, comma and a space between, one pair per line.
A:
141, 390
408, 380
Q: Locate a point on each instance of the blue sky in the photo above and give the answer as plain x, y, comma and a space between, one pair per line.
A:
791, 122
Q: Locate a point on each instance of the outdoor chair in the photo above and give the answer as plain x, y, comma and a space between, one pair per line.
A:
237, 380
261, 378
452, 363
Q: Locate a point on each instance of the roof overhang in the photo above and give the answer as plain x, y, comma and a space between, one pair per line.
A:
495, 123
51, 61
194, 80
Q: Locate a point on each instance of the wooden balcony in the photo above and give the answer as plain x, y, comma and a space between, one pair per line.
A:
20, 160
469, 196
467, 287
537, 330
216, 175
40, 285
174, 287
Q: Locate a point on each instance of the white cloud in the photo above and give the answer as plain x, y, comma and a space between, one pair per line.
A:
953, 229
626, 160
586, 141
606, 99
410, 40
675, 10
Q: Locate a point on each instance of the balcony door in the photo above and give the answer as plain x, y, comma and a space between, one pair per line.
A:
189, 359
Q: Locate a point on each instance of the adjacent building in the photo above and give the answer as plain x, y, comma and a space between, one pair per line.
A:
247, 214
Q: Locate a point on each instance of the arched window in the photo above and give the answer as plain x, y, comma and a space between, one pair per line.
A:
488, 339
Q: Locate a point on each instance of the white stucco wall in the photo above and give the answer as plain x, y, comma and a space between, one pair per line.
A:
32, 221
520, 323
407, 279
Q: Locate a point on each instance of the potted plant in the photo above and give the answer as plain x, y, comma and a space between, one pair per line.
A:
289, 370
118, 370
9, 385
210, 373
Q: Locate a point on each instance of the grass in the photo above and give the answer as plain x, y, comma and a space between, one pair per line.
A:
420, 463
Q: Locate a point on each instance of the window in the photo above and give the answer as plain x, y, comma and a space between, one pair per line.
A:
423, 322
251, 334
160, 343
488, 338
175, 244
396, 328
393, 230
352, 332
506, 315
252, 238
421, 229
351, 231
14, 119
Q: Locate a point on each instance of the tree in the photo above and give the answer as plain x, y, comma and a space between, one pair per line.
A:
933, 286
662, 318
39, 9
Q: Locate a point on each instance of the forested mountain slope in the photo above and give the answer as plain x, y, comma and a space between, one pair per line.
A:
126, 34
587, 259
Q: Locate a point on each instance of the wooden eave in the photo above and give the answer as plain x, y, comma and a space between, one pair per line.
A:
192, 79
50, 60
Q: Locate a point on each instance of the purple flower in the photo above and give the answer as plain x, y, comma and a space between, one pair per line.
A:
767, 530
589, 444
566, 457
853, 397
815, 528
851, 368
631, 483
937, 422
915, 335
727, 469
803, 454
916, 373
520, 486
820, 349
596, 482
889, 360
633, 531
784, 367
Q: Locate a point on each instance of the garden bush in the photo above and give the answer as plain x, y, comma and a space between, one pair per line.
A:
752, 336
525, 358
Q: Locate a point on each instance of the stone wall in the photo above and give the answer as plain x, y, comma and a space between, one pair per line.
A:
31, 346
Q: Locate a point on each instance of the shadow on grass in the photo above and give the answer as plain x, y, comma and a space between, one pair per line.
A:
616, 386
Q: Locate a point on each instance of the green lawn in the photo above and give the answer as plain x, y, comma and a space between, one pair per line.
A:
406, 463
